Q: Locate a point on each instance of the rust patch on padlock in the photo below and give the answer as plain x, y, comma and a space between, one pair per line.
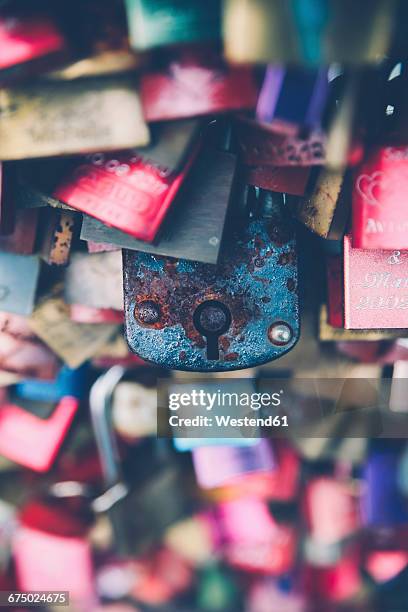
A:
147, 313
180, 294
224, 343
280, 233
231, 356
58, 249
291, 284
287, 258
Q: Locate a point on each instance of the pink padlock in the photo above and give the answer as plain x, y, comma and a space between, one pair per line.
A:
33, 441
220, 465
253, 540
375, 288
380, 206
52, 553
331, 510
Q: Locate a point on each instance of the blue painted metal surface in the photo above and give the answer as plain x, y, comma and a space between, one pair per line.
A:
189, 444
67, 383
256, 280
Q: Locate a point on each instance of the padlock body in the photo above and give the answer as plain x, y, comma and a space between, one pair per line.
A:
255, 281
32, 441
157, 23
380, 206
194, 81
375, 288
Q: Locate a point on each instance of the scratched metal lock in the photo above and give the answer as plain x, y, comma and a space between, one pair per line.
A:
239, 314
325, 209
62, 105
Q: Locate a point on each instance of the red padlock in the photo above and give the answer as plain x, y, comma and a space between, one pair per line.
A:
26, 38
335, 583
195, 81
380, 206
384, 565
132, 191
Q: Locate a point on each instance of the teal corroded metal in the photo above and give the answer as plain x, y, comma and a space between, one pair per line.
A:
256, 281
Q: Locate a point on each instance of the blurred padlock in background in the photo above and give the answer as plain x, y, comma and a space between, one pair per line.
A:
203, 203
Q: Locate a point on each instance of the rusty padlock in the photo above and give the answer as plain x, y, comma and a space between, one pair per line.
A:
239, 314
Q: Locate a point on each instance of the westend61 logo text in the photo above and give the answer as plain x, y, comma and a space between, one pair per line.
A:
203, 399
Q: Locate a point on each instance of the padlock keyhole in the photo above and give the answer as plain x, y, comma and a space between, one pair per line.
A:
212, 319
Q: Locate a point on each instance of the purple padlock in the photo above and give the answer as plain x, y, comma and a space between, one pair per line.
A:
293, 99
219, 465
383, 503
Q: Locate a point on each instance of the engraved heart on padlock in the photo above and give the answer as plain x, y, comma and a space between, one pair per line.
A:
371, 187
